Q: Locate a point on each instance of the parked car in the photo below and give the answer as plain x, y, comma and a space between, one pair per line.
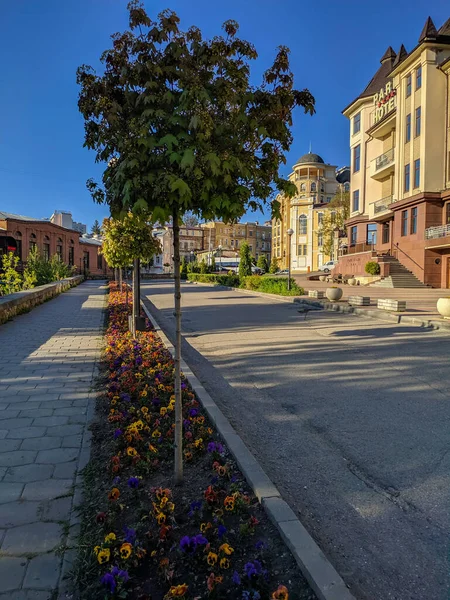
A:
328, 266
282, 272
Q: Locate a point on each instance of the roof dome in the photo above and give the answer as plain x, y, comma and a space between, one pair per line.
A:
310, 158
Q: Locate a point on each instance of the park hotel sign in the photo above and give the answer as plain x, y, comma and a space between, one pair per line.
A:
385, 101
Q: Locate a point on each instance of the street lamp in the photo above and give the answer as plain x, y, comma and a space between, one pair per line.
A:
289, 232
192, 256
219, 248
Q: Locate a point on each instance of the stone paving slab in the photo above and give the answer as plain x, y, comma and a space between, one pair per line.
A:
47, 365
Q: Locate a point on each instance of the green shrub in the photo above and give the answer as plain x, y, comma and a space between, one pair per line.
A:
272, 285
183, 268
245, 262
372, 268
263, 264
230, 279
273, 265
10, 279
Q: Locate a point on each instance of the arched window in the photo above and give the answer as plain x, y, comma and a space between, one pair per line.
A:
313, 187
59, 249
32, 242
322, 187
302, 224
46, 247
18, 236
303, 187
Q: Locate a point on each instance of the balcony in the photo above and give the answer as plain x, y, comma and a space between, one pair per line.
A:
356, 248
381, 207
383, 165
439, 236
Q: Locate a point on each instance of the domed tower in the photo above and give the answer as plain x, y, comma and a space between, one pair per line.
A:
316, 184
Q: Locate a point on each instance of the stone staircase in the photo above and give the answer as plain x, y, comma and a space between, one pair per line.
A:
399, 277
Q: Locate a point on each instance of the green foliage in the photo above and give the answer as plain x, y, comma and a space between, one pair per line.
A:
193, 267
96, 227
203, 267
262, 263
372, 268
38, 269
213, 263
201, 137
335, 215
230, 279
128, 238
59, 268
10, 279
271, 285
245, 263
273, 265
184, 268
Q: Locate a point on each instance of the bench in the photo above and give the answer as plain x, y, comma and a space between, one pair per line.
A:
391, 304
316, 294
359, 300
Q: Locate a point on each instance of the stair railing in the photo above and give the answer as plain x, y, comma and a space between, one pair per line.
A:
407, 255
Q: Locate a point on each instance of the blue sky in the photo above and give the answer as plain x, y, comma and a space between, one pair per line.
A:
335, 49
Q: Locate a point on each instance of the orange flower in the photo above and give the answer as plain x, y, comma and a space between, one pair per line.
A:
125, 550
281, 593
187, 455
229, 503
152, 449
212, 558
161, 518
114, 494
131, 451
224, 563
144, 409
177, 591
226, 549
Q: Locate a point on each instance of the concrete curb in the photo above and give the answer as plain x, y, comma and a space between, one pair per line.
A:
382, 315
319, 572
70, 550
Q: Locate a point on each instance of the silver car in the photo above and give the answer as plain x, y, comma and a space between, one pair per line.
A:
328, 266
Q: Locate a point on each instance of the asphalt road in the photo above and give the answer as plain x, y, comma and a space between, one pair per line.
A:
349, 417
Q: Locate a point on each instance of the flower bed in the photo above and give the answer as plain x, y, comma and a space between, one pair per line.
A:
140, 537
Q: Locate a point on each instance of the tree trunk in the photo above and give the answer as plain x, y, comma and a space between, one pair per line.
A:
115, 274
120, 279
136, 291
178, 402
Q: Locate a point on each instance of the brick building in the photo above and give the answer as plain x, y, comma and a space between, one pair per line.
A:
25, 233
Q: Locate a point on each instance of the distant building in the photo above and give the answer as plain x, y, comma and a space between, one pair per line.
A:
228, 238
64, 219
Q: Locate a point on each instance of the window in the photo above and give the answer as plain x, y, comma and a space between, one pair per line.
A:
86, 259
357, 123
18, 238
303, 187
418, 120
417, 173
404, 222
407, 173
353, 235
408, 85
157, 260
59, 249
328, 198
408, 128
99, 262
414, 220
313, 187
322, 187
251, 248
346, 187
385, 236
372, 233
303, 225
418, 78
447, 213
46, 251
71, 256
355, 205
320, 239
250, 233
302, 250
320, 218
32, 242
356, 158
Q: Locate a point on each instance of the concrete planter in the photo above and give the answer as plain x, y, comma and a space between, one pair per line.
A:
322, 277
334, 294
443, 307
351, 281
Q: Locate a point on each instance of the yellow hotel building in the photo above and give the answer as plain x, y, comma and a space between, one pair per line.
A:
400, 163
317, 183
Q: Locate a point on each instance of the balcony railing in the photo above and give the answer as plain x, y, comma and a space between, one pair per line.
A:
384, 160
356, 248
383, 204
439, 231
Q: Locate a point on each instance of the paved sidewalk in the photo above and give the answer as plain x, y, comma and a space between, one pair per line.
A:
47, 362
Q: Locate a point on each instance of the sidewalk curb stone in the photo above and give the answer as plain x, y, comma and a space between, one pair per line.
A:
319, 572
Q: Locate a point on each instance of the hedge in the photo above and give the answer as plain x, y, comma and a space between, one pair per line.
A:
230, 279
271, 285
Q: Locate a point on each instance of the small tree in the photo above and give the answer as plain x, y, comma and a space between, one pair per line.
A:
262, 263
184, 268
245, 263
273, 265
203, 267
10, 279
38, 270
191, 220
96, 227
213, 263
182, 126
336, 213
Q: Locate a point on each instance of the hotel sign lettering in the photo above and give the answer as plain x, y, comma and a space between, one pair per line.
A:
385, 101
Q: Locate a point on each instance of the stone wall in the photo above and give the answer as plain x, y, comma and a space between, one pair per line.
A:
21, 302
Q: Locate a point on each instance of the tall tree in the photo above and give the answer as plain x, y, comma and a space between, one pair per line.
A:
180, 128
245, 263
191, 220
96, 227
262, 263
